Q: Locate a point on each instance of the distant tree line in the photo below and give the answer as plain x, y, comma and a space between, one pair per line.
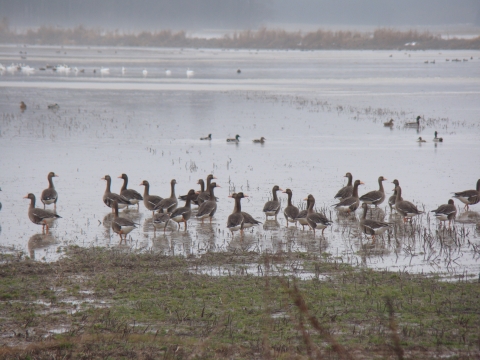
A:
259, 39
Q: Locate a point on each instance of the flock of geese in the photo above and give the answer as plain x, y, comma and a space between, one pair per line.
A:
65, 69
166, 210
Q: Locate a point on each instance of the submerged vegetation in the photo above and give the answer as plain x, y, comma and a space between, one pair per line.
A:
111, 303
260, 39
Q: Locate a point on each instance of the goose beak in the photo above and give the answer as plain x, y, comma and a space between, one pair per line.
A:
215, 177
385, 179
197, 192
103, 178
230, 196
281, 189
141, 184
245, 195
305, 199
55, 175
362, 183
25, 197
217, 186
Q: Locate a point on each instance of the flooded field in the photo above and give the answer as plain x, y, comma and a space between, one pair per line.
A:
322, 114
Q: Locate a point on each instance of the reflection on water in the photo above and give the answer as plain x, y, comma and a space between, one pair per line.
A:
39, 242
322, 113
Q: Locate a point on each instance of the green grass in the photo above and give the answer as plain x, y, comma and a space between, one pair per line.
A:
152, 306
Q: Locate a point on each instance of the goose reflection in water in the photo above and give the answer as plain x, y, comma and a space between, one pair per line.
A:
41, 242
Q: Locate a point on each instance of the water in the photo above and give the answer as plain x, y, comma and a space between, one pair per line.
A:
322, 114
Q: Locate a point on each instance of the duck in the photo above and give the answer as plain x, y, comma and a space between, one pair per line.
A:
209, 207
347, 190
160, 221
291, 211
393, 198
53, 106
372, 227
351, 203
414, 124
437, 139
248, 220
23, 106
182, 214
150, 201
375, 197
446, 212
234, 140
272, 207
469, 197
109, 197
130, 194
40, 216
420, 140
259, 141
405, 208
236, 219
209, 137
144, 72
50, 195
167, 205
388, 123
316, 220
205, 195
121, 225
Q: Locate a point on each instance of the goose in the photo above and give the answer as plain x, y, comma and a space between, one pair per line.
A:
150, 201
414, 124
209, 137
446, 212
50, 195
236, 219
316, 220
190, 73
195, 198
205, 195
167, 205
437, 139
302, 216
259, 141
351, 203
182, 214
209, 207
234, 140
420, 140
347, 190
248, 220
40, 216
388, 123
168, 72
405, 208
121, 225
160, 221
130, 194
109, 197
291, 211
372, 227
469, 197
23, 106
375, 197
272, 207
145, 72
393, 198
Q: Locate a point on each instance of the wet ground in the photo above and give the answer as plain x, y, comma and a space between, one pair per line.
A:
321, 112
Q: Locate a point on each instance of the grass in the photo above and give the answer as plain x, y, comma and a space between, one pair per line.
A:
101, 303
263, 38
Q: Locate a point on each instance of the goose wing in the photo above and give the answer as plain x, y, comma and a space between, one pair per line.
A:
271, 206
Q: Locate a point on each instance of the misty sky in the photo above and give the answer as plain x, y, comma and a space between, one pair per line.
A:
236, 14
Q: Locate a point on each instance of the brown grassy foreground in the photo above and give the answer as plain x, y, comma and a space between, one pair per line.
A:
387, 39
104, 303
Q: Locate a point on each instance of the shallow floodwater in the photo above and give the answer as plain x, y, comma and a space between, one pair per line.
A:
322, 113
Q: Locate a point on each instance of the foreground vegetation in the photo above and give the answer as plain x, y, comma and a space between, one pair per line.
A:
104, 303
387, 39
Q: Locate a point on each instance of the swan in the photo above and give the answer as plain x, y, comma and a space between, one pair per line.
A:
190, 73
144, 72
168, 72
12, 68
2, 68
123, 70
104, 71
